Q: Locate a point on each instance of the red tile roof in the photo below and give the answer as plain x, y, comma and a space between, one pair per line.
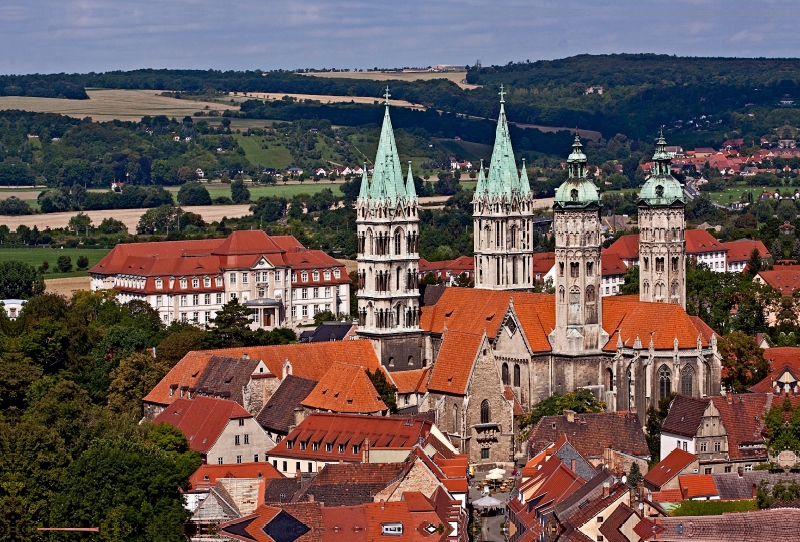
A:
628, 317
453, 366
183, 375
739, 251
704, 329
784, 278
700, 241
667, 495
684, 416
207, 475
669, 467
508, 393
697, 485
542, 263
410, 381
349, 430
345, 388
256, 526
202, 419
612, 264
626, 247
780, 360
456, 267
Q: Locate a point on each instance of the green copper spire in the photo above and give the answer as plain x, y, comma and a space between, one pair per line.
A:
481, 186
578, 190
661, 188
411, 191
503, 177
364, 191
524, 185
387, 176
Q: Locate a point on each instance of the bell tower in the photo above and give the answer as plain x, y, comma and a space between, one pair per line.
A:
502, 218
576, 225
662, 247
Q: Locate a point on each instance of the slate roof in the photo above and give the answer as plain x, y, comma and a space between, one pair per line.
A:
291, 522
329, 331
350, 484
669, 467
278, 414
591, 433
225, 377
453, 367
684, 415
610, 528
580, 518
345, 388
208, 474
754, 526
732, 485
277, 490
202, 419
349, 430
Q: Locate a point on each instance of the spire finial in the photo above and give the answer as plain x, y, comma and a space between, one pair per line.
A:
502, 94
386, 95
662, 131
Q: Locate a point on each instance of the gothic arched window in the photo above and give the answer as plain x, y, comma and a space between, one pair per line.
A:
516, 375
455, 418
687, 380
561, 294
610, 379
664, 381
505, 374
485, 413
675, 261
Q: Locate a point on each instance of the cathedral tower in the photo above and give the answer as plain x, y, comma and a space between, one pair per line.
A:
576, 226
388, 232
502, 218
662, 252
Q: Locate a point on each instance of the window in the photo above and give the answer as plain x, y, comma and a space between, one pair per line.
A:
685, 444
195, 300
336, 273
195, 316
241, 422
207, 282
664, 381
245, 278
341, 448
304, 310
278, 276
589, 268
392, 529
599, 519
238, 459
748, 468
328, 446
218, 281
207, 299
304, 293
304, 276
158, 301
284, 466
707, 470
236, 440
485, 413
659, 265
184, 283
289, 444
505, 374
255, 458
484, 453
195, 282
294, 312
294, 277
315, 276
303, 445
675, 263
728, 468
246, 438
219, 299
327, 275
219, 461
315, 293
159, 284
328, 291
232, 277
183, 301
310, 466
703, 447
355, 448
687, 379
574, 270
315, 446
717, 446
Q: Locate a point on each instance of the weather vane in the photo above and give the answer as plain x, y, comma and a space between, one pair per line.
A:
387, 95
502, 94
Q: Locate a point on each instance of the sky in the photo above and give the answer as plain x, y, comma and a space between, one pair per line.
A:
51, 36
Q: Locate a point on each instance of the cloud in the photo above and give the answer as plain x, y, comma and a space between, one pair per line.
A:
100, 35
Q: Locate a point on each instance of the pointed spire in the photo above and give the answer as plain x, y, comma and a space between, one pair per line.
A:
387, 175
411, 191
481, 186
363, 193
577, 161
524, 184
503, 176
661, 158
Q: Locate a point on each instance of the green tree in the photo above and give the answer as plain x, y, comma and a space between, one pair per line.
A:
384, 388
783, 427
111, 226
324, 316
19, 280
177, 344
131, 380
635, 474
743, 361
231, 327
193, 193
64, 264
631, 284
83, 262
160, 219
655, 419
579, 401
80, 223
754, 264
239, 192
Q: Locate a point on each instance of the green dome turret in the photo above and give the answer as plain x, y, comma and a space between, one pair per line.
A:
578, 190
661, 188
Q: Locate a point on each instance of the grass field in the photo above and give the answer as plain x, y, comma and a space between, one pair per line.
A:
456, 77
734, 193
275, 156
283, 190
36, 255
104, 105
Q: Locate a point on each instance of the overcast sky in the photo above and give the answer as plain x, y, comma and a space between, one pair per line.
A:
48, 36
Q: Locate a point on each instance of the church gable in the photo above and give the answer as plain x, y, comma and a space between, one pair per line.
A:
510, 339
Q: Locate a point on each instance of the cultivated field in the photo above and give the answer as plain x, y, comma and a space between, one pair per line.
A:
325, 98
130, 217
36, 255
456, 77
281, 190
104, 105
67, 286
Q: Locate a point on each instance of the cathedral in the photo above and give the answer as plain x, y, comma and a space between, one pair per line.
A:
487, 354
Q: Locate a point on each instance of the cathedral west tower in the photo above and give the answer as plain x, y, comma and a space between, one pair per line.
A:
387, 224
662, 248
502, 218
576, 226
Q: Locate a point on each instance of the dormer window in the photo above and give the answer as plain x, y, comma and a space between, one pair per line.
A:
184, 283
219, 281
336, 273
207, 282
392, 529
195, 282
659, 191
315, 276
304, 276
159, 284
573, 194
294, 277
327, 275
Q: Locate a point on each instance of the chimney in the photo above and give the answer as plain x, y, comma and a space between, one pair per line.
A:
729, 398
383, 506
606, 489
245, 356
572, 465
740, 471
310, 497
570, 414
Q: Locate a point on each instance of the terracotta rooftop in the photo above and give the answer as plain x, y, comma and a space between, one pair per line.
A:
697, 485
739, 251
669, 467
207, 475
591, 433
182, 376
612, 265
453, 367
345, 388
700, 241
350, 430
410, 381
508, 393
667, 495
625, 247
611, 527
202, 419
349, 484
278, 414
781, 359
783, 278
287, 522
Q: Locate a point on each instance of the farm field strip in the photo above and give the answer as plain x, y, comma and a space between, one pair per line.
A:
455, 77
36, 255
